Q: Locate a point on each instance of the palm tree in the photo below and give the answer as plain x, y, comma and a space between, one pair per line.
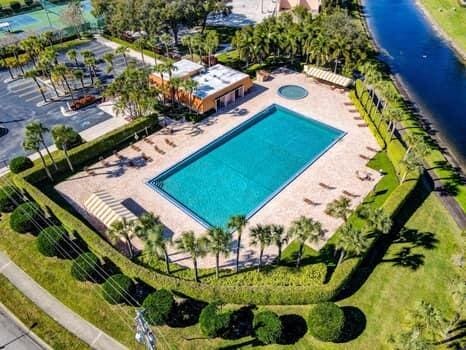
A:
379, 221
140, 43
36, 130
410, 163
190, 85
34, 74
175, 86
125, 229
339, 208
260, 236
278, 238
351, 241
90, 62
166, 40
196, 247
305, 230
161, 69
73, 56
187, 41
62, 71
237, 223
32, 143
64, 137
108, 58
416, 143
211, 44
78, 74
123, 50
219, 243
428, 319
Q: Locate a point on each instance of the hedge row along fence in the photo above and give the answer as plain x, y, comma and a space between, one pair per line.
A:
261, 295
435, 159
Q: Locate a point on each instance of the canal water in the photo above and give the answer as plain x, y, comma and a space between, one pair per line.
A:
434, 77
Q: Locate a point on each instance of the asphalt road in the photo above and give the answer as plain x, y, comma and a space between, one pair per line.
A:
13, 336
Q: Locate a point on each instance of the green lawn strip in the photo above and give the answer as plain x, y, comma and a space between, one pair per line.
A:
135, 48
45, 327
385, 299
54, 275
450, 17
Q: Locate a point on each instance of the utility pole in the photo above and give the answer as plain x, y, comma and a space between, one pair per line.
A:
144, 333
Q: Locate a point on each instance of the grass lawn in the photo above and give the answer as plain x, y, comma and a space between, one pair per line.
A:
451, 17
46, 328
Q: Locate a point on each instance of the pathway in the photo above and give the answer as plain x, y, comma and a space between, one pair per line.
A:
93, 336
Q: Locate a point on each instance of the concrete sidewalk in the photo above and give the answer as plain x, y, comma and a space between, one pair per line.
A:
93, 336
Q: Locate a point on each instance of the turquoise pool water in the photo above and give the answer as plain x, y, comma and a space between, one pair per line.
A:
292, 92
242, 170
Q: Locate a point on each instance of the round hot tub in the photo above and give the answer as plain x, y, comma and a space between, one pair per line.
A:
292, 92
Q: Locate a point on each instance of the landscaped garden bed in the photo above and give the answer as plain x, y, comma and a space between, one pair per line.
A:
83, 102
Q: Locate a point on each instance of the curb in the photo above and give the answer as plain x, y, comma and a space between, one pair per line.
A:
27, 331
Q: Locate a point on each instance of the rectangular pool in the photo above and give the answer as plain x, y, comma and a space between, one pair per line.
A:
241, 171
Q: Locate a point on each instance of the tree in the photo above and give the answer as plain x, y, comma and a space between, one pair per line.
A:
33, 144
410, 163
73, 16
123, 229
73, 56
260, 236
379, 221
267, 327
190, 86
212, 322
211, 43
140, 44
158, 306
123, 50
416, 144
351, 241
305, 230
64, 137
62, 72
108, 58
35, 130
78, 74
219, 242
90, 62
339, 208
196, 247
34, 74
237, 223
278, 238
326, 322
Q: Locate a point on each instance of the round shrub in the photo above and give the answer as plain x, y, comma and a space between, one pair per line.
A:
20, 164
117, 289
9, 197
24, 218
158, 306
212, 322
51, 239
326, 322
267, 327
84, 267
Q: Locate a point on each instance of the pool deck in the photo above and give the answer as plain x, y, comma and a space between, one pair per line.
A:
336, 168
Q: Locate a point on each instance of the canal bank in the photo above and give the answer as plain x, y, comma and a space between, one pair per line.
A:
426, 69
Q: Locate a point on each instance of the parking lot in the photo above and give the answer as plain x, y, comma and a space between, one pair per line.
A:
19, 103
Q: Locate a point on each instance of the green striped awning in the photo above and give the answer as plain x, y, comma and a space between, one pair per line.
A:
327, 76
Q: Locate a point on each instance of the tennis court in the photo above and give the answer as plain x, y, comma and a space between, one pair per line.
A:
42, 20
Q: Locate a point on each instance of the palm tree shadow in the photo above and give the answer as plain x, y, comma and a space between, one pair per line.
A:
405, 258
426, 240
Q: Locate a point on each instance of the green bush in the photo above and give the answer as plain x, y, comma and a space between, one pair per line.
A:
85, 266
26, 217
117, 289
15, 5
158, 306
9, 198
28, 2
267, 327
75, 140
50, 241
212, 322
20, 164
326, 322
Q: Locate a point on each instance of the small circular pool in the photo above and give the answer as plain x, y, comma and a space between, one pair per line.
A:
292, 92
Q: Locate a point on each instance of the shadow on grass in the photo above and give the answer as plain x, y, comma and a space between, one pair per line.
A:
294, 327
240, 323
186, 313
355, 323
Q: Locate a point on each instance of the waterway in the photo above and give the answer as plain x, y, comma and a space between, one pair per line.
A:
428, 68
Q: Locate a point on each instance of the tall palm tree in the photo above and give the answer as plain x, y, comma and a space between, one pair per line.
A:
166, 40
196, 247
278, 238
190, 86
339, 208
161, 69
62, 71
108, 58
305, 230
416, 143
237, 223
64, 136
36, 130
123, 229
123, 50
32, 143
379, 221
351, 242
187, 41
260, 236
211, 43
410, 163
219, 243
34, 74
73, 56
140, 43
78, 74
90, 62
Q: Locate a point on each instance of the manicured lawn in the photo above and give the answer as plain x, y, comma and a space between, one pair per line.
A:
45, 327
451, 17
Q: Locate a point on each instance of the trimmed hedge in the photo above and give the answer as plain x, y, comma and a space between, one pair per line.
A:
326, 322
20, 164
212, 322
85, 266
9, 197
267, 327
158, 306
26, 217
51, 240
117, 289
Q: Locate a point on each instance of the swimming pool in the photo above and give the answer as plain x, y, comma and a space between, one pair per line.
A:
292, 92
245, 168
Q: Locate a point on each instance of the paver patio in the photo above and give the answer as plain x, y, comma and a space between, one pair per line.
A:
337, 167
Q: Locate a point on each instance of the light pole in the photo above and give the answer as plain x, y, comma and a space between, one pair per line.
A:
144, 333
